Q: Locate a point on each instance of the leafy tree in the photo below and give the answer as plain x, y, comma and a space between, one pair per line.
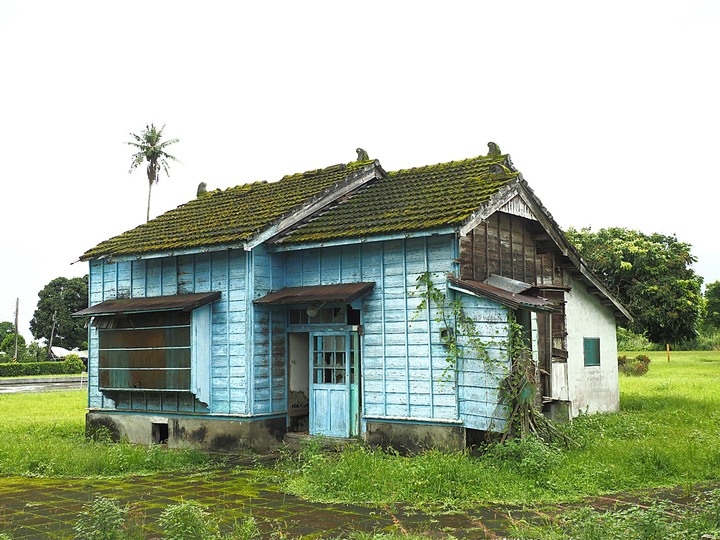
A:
6, 327
712, 304
58, 300
7, 345
36, 352
7, 342
151, 149
651, 274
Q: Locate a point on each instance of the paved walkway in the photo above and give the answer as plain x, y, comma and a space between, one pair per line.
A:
14, 385
38, 508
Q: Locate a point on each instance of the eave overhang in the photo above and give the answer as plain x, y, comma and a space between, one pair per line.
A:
345, 293
125, 306
510, 299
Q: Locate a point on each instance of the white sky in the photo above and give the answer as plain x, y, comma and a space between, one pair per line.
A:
610, 109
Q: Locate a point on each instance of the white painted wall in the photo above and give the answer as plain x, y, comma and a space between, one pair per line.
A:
593, 388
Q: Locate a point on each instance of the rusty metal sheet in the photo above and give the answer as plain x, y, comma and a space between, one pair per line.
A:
507, 298
177, 302
340, 292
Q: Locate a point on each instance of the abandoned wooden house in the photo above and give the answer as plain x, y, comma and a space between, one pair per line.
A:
297, 305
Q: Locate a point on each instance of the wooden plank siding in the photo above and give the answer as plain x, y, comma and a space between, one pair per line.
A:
403, 359
505, 245
479, 379
219, 271
515, 246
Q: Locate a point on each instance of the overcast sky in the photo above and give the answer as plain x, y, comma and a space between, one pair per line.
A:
609, 109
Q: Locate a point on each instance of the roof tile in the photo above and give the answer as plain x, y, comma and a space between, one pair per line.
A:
229, 216
407, 200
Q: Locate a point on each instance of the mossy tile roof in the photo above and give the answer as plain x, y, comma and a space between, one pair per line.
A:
421, 198
226, 217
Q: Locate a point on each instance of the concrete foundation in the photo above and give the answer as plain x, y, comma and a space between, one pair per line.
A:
413, 438
209, 434
558, 410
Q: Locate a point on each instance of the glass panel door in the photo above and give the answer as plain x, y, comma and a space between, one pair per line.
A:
332, 377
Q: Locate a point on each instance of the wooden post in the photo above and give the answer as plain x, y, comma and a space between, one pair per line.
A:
17, 310
668, 351
52, 335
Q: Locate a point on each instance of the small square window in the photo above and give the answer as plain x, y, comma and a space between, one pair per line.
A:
591, 347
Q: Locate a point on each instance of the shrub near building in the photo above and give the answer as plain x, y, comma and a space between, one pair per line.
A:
633, 366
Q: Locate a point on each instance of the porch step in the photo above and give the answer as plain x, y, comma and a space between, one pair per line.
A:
296, 441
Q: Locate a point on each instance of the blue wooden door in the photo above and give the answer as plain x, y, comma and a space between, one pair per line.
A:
333, 388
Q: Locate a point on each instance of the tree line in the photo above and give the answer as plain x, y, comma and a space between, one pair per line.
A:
52, 322
652, 275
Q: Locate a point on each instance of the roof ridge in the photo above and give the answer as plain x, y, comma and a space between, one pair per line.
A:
236, 214
455, 162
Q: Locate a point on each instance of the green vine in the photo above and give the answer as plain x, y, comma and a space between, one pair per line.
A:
518, 389
454, 322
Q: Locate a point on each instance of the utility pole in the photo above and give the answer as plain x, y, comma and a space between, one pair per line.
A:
17, 310
52, 335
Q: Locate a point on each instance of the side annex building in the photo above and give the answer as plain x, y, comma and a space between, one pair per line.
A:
297, 306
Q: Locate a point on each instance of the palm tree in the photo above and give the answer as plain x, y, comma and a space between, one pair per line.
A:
151, 148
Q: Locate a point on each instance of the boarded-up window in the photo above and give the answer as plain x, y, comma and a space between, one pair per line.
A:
146, 351
591, 347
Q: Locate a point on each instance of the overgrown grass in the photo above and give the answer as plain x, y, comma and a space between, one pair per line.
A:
43, 434
667, 433
661, 519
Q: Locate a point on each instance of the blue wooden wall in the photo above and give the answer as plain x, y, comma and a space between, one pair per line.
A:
269, 389
404, 363
405, 375
479, 376
223, 271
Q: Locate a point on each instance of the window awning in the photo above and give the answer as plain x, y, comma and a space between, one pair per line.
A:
176, 302
340, 292
507, 298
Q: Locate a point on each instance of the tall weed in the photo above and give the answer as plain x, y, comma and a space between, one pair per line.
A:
187, 521
102, 519
666, 433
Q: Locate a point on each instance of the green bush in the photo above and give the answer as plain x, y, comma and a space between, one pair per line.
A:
245, 528
187, 521
634, 366
102, 519
71, 365
627, 340
708, 340
529, 456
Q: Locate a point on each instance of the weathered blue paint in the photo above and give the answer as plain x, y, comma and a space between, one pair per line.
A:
401, 349
224, 365
201, 351
330, 406
479, 378
355, 241
403, 368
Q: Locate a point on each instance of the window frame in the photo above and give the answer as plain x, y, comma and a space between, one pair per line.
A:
592, 355
105, 315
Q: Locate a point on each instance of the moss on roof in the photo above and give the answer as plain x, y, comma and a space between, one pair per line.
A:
415, 199
427, 197
226, 217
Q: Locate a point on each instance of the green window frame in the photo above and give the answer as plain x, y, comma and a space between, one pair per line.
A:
591, 348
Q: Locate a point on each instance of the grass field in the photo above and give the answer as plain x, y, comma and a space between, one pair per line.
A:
667, 434
43, 434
